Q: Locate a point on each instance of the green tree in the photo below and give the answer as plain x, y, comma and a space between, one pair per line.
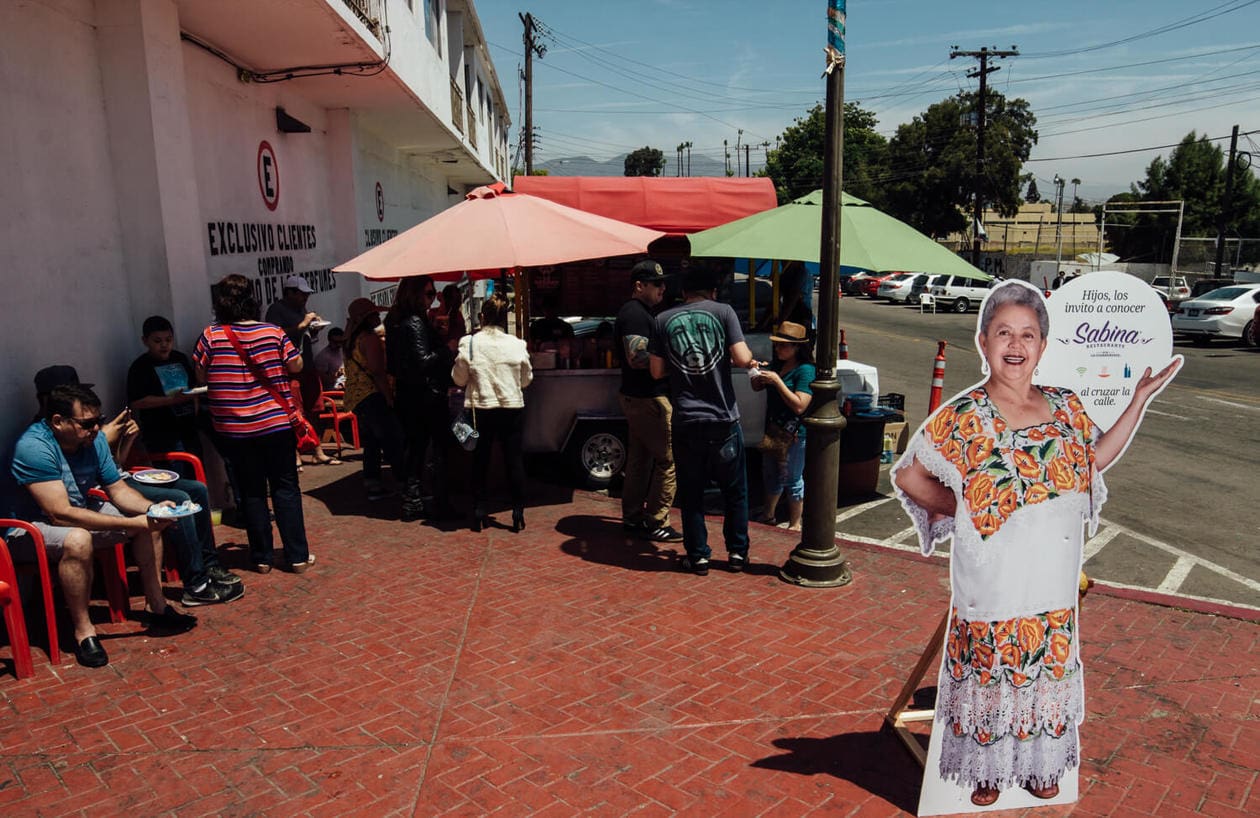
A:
1033, 195
645, 162
796, 165
1193, 173
932, 162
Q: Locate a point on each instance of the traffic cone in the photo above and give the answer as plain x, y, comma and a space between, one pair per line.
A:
938, 378
843, 354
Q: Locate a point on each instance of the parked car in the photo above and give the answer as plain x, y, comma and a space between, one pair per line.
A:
1253, 337
1174, 288
1227, 312
852, 285
897, 288
870, 284
959, 293
923, 285
1206, 285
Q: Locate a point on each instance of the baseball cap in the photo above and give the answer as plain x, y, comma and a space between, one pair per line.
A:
51, 377
296, 282
647, 270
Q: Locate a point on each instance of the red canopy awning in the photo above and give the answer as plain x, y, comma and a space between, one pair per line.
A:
676, 205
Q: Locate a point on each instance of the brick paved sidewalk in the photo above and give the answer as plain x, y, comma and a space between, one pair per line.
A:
566, 670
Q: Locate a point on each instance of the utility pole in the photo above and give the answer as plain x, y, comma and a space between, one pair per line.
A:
679, 151
1223, 214
747, 165
532, 47
726, 150
687, 145
983, 55
1058, 227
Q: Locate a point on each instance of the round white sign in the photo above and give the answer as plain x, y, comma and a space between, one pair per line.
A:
1106, 328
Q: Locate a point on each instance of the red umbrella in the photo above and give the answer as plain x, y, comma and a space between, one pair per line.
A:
495, 229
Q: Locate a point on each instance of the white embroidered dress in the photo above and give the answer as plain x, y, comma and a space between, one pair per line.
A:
1010, 693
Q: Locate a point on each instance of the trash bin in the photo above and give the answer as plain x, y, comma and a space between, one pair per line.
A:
861, 444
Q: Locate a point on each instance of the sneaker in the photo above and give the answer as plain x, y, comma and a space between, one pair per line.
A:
698, 566
222, 575
212, 593
666, 533
737, 562
634, 529
171, 621
300, 567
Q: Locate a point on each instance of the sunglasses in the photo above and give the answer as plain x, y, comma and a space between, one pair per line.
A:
88, 424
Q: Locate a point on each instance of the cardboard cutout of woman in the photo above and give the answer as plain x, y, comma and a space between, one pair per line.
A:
1011, 470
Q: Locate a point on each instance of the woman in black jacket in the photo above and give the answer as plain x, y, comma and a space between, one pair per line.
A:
421, 366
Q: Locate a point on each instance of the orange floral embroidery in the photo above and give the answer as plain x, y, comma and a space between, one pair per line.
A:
987, 524
941, 426
1077, 452
951, 450
1011, 656
1030, 633
1060, 618
1062, 416
1007, 502
1062, 473
969, 424
1074, 403
1036, 435
1036, 493
979, 630
978, 451
999, 425
1004, 630
1060, 647
980, 493
1025, 464
1019, 680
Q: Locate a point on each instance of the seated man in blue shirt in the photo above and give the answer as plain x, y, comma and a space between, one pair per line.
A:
54, 464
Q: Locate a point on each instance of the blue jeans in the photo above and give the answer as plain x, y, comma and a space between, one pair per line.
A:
270, 460
704, 452
786, 475
192, 536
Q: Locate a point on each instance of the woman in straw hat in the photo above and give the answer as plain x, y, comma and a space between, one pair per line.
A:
788, 396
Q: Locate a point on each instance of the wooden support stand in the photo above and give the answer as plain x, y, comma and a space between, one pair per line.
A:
900, 714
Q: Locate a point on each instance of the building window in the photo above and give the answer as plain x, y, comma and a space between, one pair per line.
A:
432, 23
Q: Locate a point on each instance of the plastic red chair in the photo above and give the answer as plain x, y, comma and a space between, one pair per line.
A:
329, 401
170, 561
113, 566
11, 602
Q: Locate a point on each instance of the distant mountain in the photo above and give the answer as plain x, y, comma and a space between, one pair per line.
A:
586, 166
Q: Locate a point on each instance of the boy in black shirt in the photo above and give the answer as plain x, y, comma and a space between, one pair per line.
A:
156, 385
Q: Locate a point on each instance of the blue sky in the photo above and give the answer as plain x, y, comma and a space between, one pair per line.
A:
1102, 76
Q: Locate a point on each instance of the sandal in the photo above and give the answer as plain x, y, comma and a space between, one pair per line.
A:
1044, 793
984, 796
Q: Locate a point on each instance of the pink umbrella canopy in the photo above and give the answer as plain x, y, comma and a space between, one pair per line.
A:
493, 229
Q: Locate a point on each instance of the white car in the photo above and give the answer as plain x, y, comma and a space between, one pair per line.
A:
960, 293
1174, 288
1224, 313
897, 288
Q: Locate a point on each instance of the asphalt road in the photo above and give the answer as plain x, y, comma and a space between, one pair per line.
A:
1184, 509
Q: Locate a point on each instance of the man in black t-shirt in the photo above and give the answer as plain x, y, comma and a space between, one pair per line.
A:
649, 488
157, 383
694, 346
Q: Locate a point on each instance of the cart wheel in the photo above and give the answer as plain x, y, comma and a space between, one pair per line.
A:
597, 455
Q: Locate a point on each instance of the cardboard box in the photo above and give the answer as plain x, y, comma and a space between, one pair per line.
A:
901, 434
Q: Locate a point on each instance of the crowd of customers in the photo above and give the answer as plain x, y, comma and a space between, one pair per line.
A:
253, 388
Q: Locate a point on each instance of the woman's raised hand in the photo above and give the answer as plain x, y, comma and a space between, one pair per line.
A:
1148, 385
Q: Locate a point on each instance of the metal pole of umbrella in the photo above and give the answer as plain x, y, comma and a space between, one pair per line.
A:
817, 562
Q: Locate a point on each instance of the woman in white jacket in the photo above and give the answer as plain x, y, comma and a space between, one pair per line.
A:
493, 367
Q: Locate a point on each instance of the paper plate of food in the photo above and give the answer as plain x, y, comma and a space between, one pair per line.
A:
320, 324
155, 476
169, 512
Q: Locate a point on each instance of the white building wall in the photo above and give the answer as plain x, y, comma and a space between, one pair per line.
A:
65, 296
128, 155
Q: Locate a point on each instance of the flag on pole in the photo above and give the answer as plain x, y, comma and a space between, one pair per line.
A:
835, 34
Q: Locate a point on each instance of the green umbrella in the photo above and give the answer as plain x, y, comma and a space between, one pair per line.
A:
870, 240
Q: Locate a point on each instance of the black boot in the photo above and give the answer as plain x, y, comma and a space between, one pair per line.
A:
518, 519
480, 520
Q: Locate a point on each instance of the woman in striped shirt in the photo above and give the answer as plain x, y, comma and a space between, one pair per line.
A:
254, 426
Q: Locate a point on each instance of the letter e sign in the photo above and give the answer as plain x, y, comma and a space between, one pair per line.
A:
268, 175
